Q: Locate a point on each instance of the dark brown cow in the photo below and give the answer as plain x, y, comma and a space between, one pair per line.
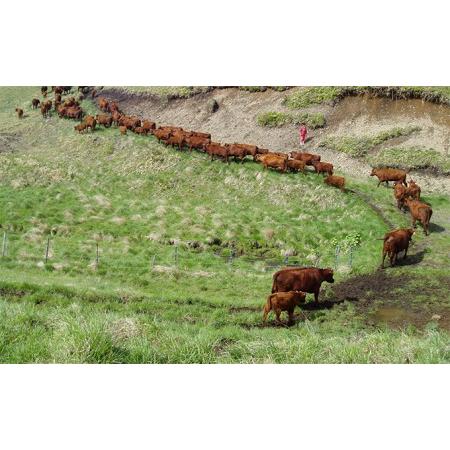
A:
419, 212
296, 165
103, 119
273, 161
395, 242
323, 167
334, 180
283, 301
90, 122
35, 103
308, 158
399, 194
305, 279
19, 112
215, 149
388, 174
413, 190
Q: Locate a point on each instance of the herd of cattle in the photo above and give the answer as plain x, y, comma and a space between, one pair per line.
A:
291, 284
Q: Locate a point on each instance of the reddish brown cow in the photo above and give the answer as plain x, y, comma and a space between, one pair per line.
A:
196, 142
45, 108
305, 279
215, 149
161, 134
283, 301
399, 194
413, 190
251, 150
419, 212
58, 90
308, 158
103, 119
273, 161
175, 140
80, 127
116, 117
200, 134
113, 107
140, 130
388, 174
295, 165
103, 104
395, 242
237, 152
35, 103
90, 122
149, 126
19, 112
170, 128
323, 167
123, 130
334, 180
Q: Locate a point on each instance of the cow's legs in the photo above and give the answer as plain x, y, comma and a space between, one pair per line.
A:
379, 182
316, 295
406, 251
382, 259
278, 314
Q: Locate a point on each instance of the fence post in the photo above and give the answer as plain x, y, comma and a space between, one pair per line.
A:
336, 255
4, 244
46, 249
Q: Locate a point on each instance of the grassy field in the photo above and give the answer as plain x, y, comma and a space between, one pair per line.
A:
166, 287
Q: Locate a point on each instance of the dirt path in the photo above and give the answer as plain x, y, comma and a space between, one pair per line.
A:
236, 121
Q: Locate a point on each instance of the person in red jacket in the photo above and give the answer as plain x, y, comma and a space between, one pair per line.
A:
303, 132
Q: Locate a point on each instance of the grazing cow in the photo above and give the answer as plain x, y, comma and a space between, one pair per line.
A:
308, 158
196, 142
395, 242
323, 167
73, 113
123, 130
295, 165
80, 127
413, 190
116, 116
161, 134
35, 103
273, 161
283, 301
19, 112
113, 107
103, 119
90, 122
237, 152
215, 149
149, 126
399, 194
334, 180
388, 174
305, 279
103, 104
45, 108
419, 211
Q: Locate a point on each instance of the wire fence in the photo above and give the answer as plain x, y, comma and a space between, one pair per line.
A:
61, 253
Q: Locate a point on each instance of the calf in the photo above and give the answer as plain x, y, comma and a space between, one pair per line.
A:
273, 161
333, 180
419, 212
123, 130
323, 167
395, 242
215, 149
399, 194
283, 301
388, 174
295, 165
90, 122
80, 127
413, 190
35, 103
19, 112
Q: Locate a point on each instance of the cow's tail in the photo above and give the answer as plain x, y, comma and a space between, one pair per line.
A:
274, 283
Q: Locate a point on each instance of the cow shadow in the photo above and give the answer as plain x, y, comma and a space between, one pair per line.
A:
411, 260
435, 228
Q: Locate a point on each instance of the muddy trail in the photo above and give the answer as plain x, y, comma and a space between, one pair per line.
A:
234, 119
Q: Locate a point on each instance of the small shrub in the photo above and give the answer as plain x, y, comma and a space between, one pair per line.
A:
277, 119
312, 95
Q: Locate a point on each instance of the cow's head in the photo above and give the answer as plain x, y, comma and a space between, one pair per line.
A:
410, 232
373, 172
328, 275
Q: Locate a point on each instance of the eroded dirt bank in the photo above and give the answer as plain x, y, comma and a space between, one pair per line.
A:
235, 120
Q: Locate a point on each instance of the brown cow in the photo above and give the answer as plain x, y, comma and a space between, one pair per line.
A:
161, 134
419, 211
149, 126
200, 134
196, 142
388, 174
58, 90
333, 180
58, 98
123, 130
399, 194
413, 190
305, 279
35, 103
90, 122
273, 161
140, 130
94, 93
170, 128
175, 140
237, 152
113, 107
103, 104
44, 90
323, 167
395, 242
80, 127
283, 301
252, 150
19, 112
45, 108
308, 158
215, 149
296, 165
104, 119
130, 122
